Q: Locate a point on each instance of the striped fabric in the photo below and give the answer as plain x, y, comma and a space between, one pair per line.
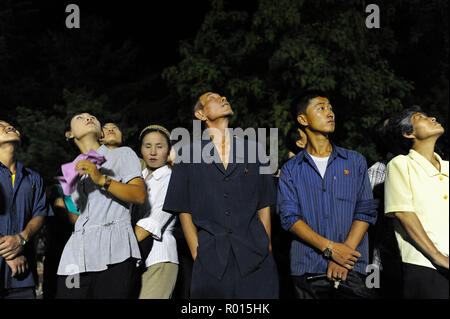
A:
328, 205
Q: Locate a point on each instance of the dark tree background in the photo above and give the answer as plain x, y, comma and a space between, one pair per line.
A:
146, 62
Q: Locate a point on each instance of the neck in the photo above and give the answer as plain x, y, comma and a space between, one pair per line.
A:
426, 148
87, 143
111, 146
8, 156
318, 144
218, 129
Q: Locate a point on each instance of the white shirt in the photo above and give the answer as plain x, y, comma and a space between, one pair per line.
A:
158, 222
321, 163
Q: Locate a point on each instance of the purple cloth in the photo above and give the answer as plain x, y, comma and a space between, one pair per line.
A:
70, 179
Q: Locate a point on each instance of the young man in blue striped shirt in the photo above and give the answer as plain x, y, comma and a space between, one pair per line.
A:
325, 199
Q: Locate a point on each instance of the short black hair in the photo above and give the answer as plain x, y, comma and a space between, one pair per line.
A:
400, 124
300, 103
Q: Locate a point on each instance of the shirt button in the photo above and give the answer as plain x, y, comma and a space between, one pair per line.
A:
445, 196
227, 213
441, 178
226, 179
225, 195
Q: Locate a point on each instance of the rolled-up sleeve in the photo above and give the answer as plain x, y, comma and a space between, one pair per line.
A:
288, 206
40, 203
366, 206
157, 220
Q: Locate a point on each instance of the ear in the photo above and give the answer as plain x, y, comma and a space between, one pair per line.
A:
199, 115
301, 118
300, 143
69, 135
410, 136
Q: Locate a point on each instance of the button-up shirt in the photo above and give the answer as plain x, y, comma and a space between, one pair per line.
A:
156, 221
103, 234
224, 204
413, 184
329, 205
18, 206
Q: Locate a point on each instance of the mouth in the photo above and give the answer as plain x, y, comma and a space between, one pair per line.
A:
152, 160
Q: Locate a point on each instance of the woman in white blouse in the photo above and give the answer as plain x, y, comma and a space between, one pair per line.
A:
158, 280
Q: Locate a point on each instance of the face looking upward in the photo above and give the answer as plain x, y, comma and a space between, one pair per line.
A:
319, 116
112, 136
8, 134
214, 107
424, 127
82, 125
154, 150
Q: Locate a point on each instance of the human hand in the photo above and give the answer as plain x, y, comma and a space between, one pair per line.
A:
18, 265
10, 246
344, 255
88, 168
336, 272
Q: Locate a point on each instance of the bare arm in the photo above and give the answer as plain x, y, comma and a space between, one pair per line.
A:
190, 233
133, 192
414, 228
342, 254
59, 203
264, 216
10, 245
356, 234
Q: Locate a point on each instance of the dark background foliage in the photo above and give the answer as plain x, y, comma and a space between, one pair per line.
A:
143, 62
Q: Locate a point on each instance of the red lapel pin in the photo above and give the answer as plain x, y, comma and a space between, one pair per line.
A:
346, 171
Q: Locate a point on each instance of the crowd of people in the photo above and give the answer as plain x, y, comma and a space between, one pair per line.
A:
119, 225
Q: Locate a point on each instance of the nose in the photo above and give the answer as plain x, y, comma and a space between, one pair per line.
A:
223, 99
10, 128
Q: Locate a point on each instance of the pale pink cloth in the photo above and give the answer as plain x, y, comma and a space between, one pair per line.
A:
70, 179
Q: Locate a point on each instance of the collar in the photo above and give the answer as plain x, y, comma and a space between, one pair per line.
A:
336, 151
158, 173
19, 167
429, 168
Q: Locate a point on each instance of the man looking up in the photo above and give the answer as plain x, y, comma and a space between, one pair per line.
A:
23, 207
325, 199
224, 208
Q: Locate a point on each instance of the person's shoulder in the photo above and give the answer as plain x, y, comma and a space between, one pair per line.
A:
124, 151
35, 176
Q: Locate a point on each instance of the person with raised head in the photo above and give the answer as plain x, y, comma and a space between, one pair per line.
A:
325, 200
112, 136
416, 194
99, 259
23, 208
223, 203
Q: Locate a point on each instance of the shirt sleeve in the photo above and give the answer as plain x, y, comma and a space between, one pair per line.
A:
157, 220
397, 189
366, 206
288, 206
130, 166
40, 202
178, 192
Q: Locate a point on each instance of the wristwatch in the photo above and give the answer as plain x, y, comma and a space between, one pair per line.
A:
22, 240
108, 181
328, 252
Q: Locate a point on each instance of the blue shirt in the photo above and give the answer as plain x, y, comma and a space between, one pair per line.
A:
17, 207
224, 204
328, 205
